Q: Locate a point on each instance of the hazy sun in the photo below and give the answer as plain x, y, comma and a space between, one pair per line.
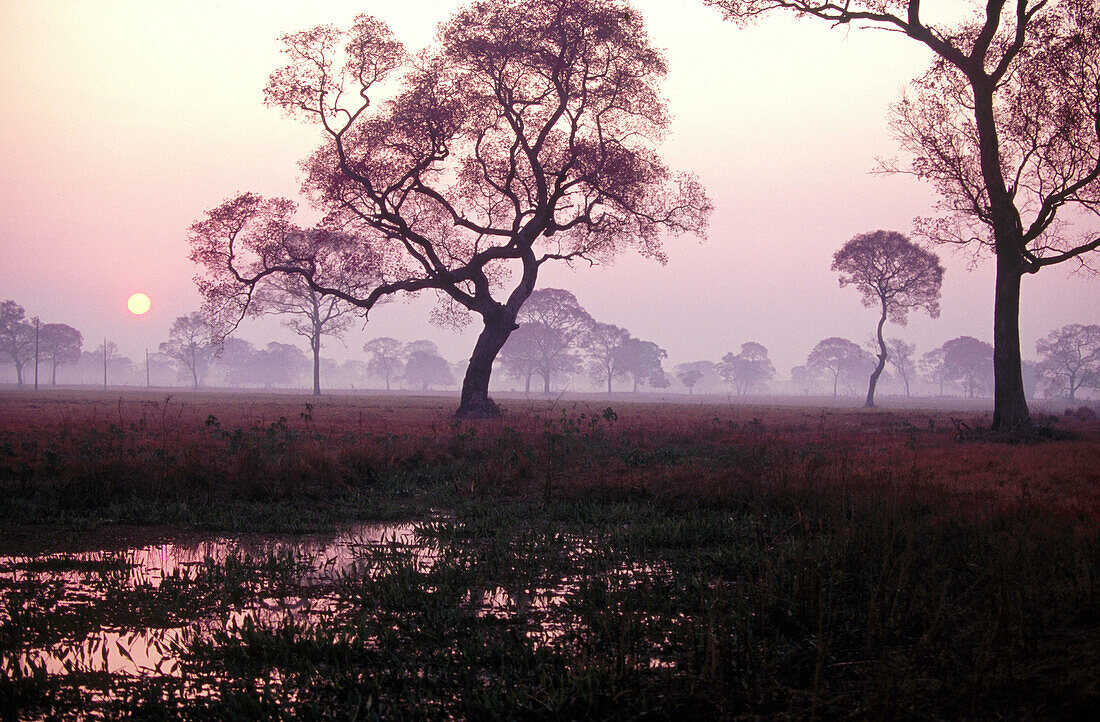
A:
138, 303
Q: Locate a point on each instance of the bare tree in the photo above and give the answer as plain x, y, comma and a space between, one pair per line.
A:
1006, 125
525, 136
1071, 358
893, 273
60, 343
836, 356
190, 344
901, 360
16, 336
748, 370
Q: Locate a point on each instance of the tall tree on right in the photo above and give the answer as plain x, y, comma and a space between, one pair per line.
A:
895, 274
1006, 125
1071, 358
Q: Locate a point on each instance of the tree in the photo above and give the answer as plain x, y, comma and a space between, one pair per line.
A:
551, 325
190, 344
311, 313
599, 343
16, 336
968, 362
689, 377
836, 356
893, 273
748, 370
387, 357
642, 360
427, 368
901, 360
1006, 125
60, 343
520, 355
934, 370
1071, 358
526, 135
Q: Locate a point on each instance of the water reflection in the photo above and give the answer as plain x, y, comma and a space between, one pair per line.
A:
100, 603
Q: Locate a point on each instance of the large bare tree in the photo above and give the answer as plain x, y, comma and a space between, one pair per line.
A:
1006, 125
526, 135
895, 274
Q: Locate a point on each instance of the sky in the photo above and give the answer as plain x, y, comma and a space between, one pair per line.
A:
123, 121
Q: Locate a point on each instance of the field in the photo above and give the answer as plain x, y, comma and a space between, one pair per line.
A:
246, 556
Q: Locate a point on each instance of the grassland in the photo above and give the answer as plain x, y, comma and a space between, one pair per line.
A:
592, 559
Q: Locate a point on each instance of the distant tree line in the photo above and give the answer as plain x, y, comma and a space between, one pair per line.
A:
557, 346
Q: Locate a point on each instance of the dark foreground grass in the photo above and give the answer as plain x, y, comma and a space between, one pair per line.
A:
593, 564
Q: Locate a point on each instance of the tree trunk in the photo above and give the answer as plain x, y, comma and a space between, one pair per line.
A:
609, 384
546, 383
474, 402
19, 373
870, 402
1009, 401
53, 374
316, 344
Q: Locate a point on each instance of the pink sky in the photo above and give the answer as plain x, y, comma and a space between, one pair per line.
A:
124, 121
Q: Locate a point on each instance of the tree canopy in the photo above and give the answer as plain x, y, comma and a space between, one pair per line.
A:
526, 135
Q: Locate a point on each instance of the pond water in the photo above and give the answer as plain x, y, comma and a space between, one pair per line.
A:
112, 595
134, 611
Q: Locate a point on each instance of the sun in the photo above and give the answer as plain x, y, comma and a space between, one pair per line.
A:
138, 304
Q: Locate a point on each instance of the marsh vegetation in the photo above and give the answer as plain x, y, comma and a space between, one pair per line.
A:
260, 557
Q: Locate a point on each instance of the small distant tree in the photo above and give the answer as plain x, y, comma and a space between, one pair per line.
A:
552, 323
426, 368
969, 363
640, 359
387, 357
60, 343
310, 314
190, 344
893, 273
806, 378
599, 343
934, 370
1071, 358
689, 377
520, 356
901, 360
835, 357
16, 336
749, 370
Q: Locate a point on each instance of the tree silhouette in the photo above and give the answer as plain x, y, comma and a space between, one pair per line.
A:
901, 360
836, 356
190, 344
748, 370
60, 343
599, 343
968, 362
310, 313
551, 325
1071, 358
1006, 126
387, 357
893, 273
689, 377
16, 336
526, 135
642, 360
